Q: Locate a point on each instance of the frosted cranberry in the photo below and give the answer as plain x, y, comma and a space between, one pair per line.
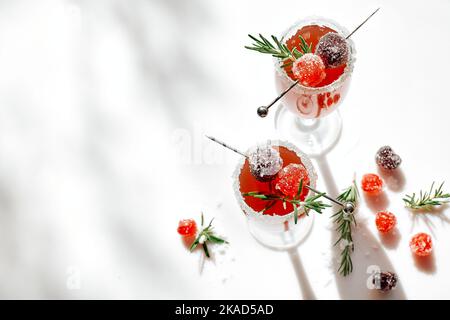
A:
288, 180
371, 183
421, 244
333, 50
265, 162
309, 69
385, 221
387, 158
187, 227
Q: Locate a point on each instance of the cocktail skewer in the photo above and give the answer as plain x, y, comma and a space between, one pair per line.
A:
263, 111
325, 196
347, 206
362, 23
226, 146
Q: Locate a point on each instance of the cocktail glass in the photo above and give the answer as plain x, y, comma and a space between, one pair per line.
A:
308, 115
278, 232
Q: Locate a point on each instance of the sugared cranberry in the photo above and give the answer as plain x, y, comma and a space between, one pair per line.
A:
333, 50
387, 158
288, 180
385, 281
309, 69
187, 227
385, 221
265, 162
421, 244
371, 183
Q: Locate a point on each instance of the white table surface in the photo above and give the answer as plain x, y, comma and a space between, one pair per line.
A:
103, 107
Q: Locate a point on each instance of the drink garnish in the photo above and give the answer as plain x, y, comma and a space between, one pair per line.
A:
278, 49
289, 178
333, 49
310, 203
428, 199
281, 51
206, 235
345, 219
265, 162
309, 70
223, 144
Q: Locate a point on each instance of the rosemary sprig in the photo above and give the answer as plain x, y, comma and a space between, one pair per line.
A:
426, 200
278, 49
344, 221
205, 235
310, 203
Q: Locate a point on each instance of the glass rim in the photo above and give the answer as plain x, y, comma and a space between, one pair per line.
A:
273, 218
317, 20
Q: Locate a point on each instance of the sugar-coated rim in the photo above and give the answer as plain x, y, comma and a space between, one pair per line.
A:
265, 217
315, 20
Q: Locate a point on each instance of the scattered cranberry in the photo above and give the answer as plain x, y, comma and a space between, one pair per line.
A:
385, 221
371, 183
309, 69
387, 158
421, 244
187, 227
288, 180
385, 281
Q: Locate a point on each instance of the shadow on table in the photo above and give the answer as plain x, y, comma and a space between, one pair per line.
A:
302, 277
391, 239
367, 257
429, 217
394, 179
377, 202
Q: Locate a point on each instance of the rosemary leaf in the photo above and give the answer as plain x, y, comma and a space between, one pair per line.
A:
344, 223
427, 200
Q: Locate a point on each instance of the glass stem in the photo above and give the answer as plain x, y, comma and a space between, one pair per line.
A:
307, 124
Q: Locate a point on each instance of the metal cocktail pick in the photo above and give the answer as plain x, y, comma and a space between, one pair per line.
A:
223, 144
348, 207
263, 111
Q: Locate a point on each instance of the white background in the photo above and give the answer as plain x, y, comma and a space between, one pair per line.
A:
103, 105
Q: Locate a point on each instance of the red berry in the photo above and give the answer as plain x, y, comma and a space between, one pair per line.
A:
288, 180
309, 69
333, 49
385, 221
421, 244
187, 227
371, 183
